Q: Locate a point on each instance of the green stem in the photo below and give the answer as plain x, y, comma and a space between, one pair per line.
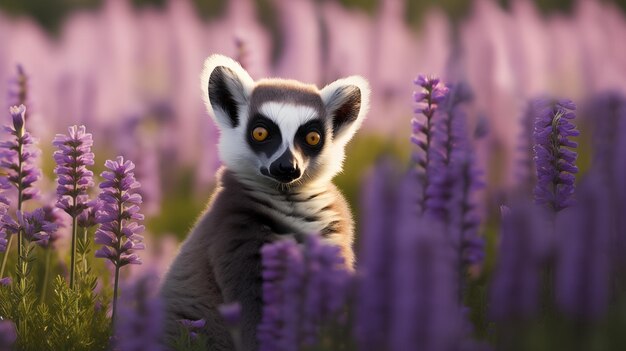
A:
73, 257
46, 275
6, 256
115, 286
22, 283
85, 266
118, 246
20, 194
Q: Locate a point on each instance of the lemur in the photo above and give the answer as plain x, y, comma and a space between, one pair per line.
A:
281, 142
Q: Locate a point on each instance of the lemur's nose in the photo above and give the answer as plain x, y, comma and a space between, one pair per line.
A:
285, 169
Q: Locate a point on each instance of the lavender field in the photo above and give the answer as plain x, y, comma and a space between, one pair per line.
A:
487, 183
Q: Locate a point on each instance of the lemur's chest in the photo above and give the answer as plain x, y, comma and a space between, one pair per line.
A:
300, 213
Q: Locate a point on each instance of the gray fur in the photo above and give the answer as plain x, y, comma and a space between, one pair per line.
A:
219, 262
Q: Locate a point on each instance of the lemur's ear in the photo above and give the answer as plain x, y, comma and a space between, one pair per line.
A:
347, 102
226, 88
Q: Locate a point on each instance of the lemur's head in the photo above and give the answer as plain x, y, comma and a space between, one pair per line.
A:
282, 132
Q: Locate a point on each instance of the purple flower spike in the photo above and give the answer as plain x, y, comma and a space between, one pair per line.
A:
73, 178
119, 231
34, 226
87, 218
302, 289
4, 204
3, 241
140, 326
375, 264
583, 266
426, 313
18, 89
554, 159
193, 327
524, 246
429, 97
6, 281
52, 215
18, 155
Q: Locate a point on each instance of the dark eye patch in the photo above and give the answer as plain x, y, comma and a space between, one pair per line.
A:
273, 141
315, 125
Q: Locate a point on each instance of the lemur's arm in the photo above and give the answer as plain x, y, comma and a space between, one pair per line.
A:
237, 266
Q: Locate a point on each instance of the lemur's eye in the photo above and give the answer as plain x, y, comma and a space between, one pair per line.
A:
313, 138
260, 133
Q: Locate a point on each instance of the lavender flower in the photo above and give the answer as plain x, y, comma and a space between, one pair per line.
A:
73, 178
52, 215
450, 135
429, 97
87, 218
4, 186
609, 157
33, 225
8, 335
192, 327
191, 324
375, 253
3, 241
426, 313
4, 204
18, 156
464, 222
140, 326
231, 314
119, 231
553, 158
293, 309
283, 273
583, 266
523, 248
18, 89
326, 287
6, 281
608, 111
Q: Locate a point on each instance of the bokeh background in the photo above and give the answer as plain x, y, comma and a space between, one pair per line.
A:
129, 71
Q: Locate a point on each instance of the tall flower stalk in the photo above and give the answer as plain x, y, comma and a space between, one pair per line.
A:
302, 290
375, 266
119, 230
583, 267
19, 91
555, 154
431, 94
74, 179
17, 158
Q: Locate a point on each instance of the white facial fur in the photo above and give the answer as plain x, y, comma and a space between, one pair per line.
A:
289, 118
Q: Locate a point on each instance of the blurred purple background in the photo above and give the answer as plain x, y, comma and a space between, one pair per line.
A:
131, 75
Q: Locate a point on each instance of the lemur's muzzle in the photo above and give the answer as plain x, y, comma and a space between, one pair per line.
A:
285, 169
